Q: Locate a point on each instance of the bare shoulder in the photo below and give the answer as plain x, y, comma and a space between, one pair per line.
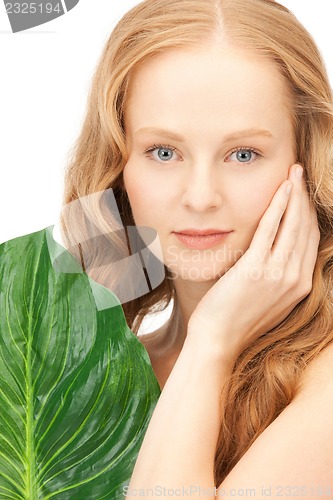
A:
152, 341
295, 450
318, 374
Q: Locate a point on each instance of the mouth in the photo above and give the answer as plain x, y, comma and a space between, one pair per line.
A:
201, 240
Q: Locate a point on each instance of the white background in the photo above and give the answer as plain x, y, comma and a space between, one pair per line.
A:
45, 76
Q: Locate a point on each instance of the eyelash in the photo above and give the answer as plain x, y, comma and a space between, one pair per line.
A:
157, 146
149, 150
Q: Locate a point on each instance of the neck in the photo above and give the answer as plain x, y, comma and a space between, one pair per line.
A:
188, 294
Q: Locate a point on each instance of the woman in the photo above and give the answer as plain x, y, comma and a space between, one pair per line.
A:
200, 115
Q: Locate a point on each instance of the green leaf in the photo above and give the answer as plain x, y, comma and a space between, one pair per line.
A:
77, 389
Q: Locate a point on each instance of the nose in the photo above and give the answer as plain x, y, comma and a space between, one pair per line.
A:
201, 190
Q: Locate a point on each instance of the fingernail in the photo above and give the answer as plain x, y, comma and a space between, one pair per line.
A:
299, 172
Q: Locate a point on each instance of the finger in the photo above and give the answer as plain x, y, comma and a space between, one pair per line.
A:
307, 221
291, 229
311, 253
304, 268
265, 234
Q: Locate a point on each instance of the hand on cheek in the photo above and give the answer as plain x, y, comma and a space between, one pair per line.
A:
269, 280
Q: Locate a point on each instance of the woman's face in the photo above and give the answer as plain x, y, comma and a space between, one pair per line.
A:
210, 140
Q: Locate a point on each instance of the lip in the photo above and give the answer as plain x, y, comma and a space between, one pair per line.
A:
206, 239
202, 232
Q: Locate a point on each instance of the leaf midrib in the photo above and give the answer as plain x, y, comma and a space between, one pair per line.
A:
30, 427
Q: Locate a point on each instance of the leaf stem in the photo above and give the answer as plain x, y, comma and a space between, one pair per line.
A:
31, 491
30, 452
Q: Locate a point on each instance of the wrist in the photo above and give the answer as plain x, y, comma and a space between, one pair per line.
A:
204, 346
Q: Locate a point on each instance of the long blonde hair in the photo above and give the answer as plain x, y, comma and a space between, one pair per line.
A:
267, 373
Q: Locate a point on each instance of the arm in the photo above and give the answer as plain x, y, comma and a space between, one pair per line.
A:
179, 447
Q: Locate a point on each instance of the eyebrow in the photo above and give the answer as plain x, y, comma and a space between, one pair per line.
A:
250, 132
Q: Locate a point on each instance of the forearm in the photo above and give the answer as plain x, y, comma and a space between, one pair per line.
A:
179, 446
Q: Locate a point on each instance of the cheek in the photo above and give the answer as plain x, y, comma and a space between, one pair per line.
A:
148, 196
254, 199
137, 189
146, 200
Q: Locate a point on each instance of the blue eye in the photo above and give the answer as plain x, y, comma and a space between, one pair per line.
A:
164, 153
244, 155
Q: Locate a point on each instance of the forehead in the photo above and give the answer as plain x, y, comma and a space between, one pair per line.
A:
212, 83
